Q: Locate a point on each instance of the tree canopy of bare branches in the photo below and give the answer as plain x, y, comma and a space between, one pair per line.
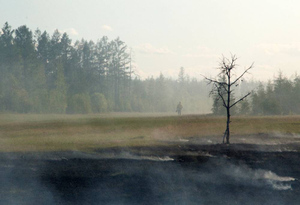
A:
223, 86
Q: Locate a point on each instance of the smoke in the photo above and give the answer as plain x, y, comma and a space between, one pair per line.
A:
128, 178
259, 177
19, 183
130, 156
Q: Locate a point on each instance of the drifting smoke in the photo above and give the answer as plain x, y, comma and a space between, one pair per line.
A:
276, 181
127, 178
130, 156
259, 177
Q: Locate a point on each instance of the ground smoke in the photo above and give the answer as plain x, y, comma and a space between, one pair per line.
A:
260, 177
129, 179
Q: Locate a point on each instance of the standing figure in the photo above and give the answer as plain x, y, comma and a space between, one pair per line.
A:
179, 108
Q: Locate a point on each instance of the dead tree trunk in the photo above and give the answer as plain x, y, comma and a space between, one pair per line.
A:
227, 131
223, 88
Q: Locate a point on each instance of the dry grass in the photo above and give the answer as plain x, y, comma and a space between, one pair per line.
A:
87, 132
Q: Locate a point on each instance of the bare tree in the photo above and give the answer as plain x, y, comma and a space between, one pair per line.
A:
223, 88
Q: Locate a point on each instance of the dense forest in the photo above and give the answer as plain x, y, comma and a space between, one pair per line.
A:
43, 73
280, 96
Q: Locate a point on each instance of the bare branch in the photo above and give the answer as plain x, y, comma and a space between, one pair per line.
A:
239, 100
220, 83
232, 64
242, 74
220, 94
222, 88
223, 100
208, 79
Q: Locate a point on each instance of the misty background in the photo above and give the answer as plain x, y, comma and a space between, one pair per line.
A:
47, 73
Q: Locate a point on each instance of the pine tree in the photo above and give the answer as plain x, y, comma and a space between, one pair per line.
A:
58, 95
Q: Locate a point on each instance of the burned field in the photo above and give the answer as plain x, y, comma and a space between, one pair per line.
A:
259, 168
210, 174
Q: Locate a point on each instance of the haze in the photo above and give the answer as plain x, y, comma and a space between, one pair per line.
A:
165, 35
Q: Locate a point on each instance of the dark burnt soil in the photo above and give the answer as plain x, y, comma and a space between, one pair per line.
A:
204, 174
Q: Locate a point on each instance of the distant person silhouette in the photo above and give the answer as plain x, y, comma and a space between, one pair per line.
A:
179, 108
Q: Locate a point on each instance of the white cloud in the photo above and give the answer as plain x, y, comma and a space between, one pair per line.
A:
147, 48
201, 52
200, 55
272, 49
1, 32
140, 73
73, 31
106, 27
70, 31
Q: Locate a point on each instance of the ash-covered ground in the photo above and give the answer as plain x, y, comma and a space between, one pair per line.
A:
184, 172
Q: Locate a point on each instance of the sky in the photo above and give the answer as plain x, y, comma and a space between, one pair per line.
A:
165, 35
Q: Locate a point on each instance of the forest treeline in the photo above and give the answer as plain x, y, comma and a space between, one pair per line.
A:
280, 96
43, 73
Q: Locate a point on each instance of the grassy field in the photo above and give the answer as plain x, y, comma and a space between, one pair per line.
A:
31, 132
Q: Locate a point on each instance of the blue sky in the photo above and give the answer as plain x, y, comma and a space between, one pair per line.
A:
168, 34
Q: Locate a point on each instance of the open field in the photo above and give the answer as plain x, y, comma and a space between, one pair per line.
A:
20, 133
148, 159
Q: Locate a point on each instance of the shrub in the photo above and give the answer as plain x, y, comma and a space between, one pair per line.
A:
99, 103
79, 103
